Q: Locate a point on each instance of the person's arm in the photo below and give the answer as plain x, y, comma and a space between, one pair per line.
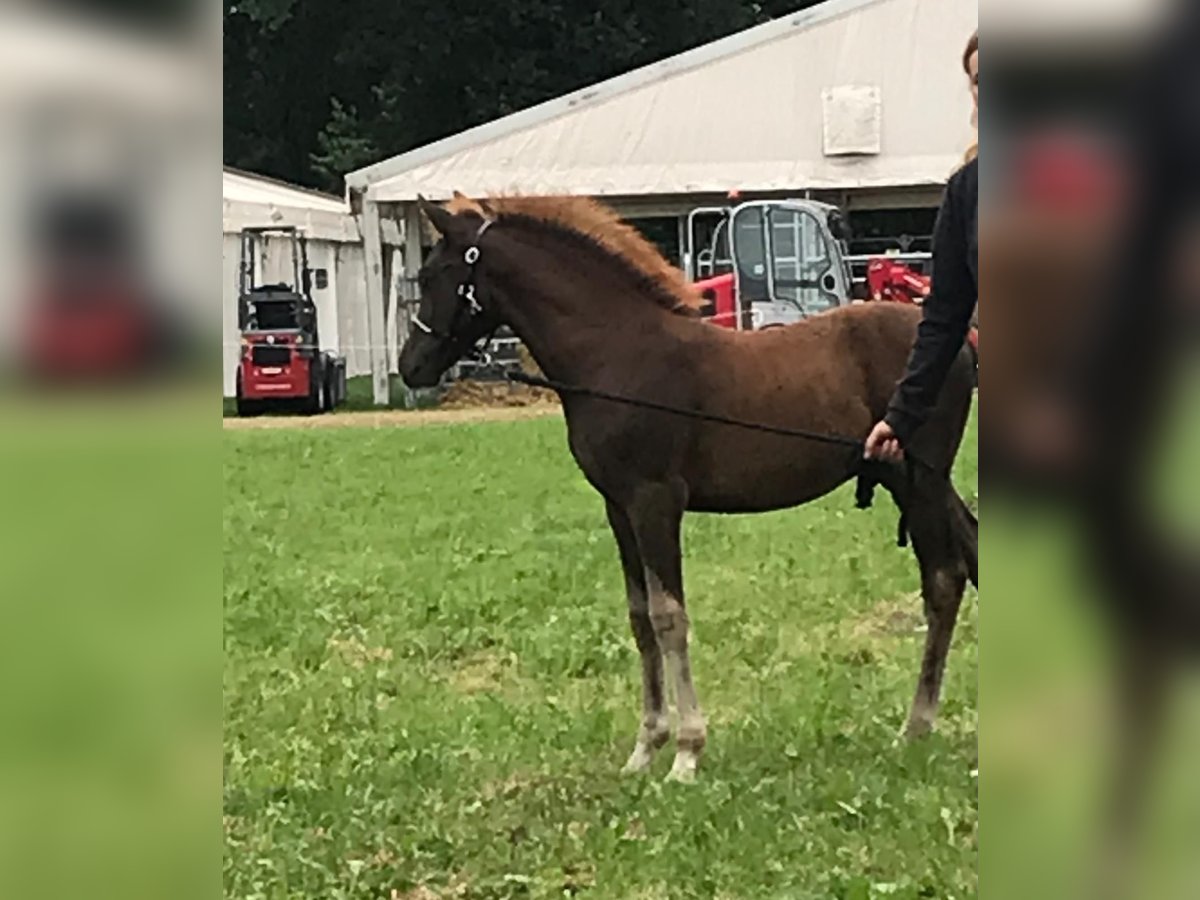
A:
947, 315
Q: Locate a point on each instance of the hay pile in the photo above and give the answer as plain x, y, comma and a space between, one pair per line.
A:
472, 394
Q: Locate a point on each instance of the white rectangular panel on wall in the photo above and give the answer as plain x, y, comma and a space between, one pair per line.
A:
852, 120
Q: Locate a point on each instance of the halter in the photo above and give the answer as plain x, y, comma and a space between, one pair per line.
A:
466, 290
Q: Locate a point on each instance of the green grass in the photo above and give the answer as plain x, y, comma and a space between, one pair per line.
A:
360, 395
430, 687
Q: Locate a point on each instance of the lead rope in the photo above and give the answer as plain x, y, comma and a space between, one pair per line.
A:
911, 461
562, 388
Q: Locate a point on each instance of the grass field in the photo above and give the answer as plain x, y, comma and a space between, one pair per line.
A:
430, 687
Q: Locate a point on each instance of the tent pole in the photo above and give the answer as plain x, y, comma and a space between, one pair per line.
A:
376, 324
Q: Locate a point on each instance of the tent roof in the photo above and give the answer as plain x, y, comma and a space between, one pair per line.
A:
247, 187
747, 112
251, 200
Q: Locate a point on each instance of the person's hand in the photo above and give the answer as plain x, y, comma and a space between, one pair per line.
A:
882, 444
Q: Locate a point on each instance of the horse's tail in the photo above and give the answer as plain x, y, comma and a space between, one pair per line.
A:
965, 528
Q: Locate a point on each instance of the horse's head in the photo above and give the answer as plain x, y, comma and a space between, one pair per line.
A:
453, 315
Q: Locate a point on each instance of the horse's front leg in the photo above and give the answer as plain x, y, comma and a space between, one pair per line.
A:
654, 730
657, 516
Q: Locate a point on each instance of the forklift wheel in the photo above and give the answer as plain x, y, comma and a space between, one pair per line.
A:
314, 403
245, 407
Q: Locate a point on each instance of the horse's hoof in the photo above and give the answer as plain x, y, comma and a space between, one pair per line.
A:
683, 770
636, 765
917, 729
638, 762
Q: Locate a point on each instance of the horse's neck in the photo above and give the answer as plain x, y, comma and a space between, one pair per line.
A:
569, 313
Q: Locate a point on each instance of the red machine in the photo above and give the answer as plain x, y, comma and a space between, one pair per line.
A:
770, 263
93, 333
92, 318
281, 357
888, 279
720, 296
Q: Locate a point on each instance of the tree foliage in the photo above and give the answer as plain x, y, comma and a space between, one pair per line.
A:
314, 89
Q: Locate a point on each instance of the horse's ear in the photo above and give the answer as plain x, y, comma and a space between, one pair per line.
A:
483, 205
439, 218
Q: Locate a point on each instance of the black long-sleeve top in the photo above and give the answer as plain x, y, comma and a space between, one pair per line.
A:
947, 309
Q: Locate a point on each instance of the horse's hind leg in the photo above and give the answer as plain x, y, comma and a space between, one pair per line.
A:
656, 516
654, 730
941, 589
932, 513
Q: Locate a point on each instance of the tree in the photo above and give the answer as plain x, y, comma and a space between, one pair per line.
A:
343, 145
316, 89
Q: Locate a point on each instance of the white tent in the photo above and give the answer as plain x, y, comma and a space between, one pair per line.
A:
249, 200
862, 98
335, 247
847, 95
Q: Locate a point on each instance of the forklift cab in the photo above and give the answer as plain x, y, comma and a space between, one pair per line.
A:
283, 306
787, 258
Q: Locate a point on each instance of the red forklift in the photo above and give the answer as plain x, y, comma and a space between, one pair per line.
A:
93, 317
281, 364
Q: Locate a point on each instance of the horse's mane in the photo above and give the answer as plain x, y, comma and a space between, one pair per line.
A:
584, 218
